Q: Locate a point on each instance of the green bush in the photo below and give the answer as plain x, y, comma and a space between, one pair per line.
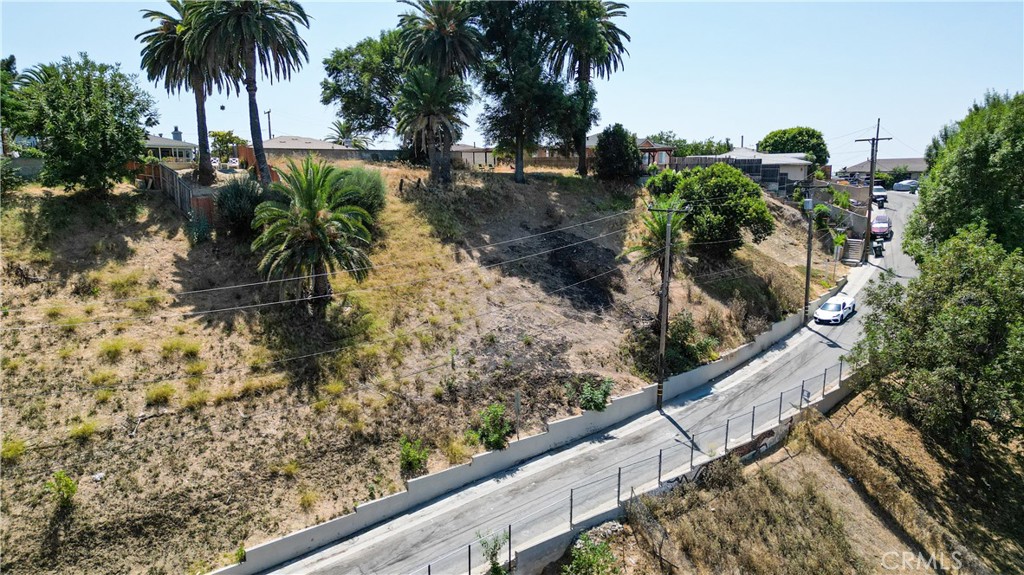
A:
494, 427
197, 228
28, 152
590, 393
841, 199
664, 183
12, 450
686, 347
10, 177
63, 489
413, 457
590, 558
364, 188
822, 213
236, 204
617, 155
884, 180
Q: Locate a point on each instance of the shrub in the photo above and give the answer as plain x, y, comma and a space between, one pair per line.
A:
104, 395
102, 378
413, 457
289, 469
159, 394
591, 394
197, 229
10, 178
590, 558
195, 368
83, 431
494, 427
841, 199
617, 155
364, 188
236, 204
822, 213
63, 489
12, 450
664, 183
307, 499
189, 349
686, 347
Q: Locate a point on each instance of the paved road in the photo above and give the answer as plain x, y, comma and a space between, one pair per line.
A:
533, 495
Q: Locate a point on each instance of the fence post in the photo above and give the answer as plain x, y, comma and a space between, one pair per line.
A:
726, 448
618, 488
692, 441
659, 467
510, 546
753, 418
570, 507
469, 559
840, 371
428, 569
780, 405
824, 382
801, 395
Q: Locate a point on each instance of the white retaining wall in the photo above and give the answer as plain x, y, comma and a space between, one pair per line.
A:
559, 433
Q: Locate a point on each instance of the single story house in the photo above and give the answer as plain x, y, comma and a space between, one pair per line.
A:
472, 155
792, 165
916, 166
651, 152
298, 146
775, 172
172, 149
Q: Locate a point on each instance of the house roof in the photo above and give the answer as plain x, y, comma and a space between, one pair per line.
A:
300, 143
468, 148
158, 142
642, 143
789, 159
887, 165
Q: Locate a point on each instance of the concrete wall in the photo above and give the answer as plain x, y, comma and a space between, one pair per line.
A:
424, 489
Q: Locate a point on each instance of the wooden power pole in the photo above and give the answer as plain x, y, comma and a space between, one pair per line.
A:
871, 186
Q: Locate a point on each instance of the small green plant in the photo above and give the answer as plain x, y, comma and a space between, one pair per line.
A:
12, 450
198, 228
494, 427
240, 554
159, 394
83, 431
63, 489
236, 204
195, 400
491, 547
413, 457
187, 348
841, 199
822, 213
104, 395
590, 558
307, 499
289, 469
195, 368
594, 394
112, 350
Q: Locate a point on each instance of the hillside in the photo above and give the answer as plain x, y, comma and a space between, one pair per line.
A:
193, 432
860, 492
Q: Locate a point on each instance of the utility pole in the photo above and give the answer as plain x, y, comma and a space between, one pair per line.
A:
809, 208
269, 129
871, 186
666, 277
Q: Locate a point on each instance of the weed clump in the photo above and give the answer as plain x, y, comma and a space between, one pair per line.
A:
63, 489
413, 457
12, 450
160, 394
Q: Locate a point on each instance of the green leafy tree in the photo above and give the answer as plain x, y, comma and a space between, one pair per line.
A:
94, 119
796, 140
900, 173
252, 36
947, 350
224, 143
572, 112
13, 113
495, 428
586, 42
722, 202
343, 134
364, 81
976, 178
514, 78
429, 111
664, 183
164, 57
314, 232
617, 155
591, 558
412, 457
683, 147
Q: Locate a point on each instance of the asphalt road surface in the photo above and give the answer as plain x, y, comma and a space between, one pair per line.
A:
533, 496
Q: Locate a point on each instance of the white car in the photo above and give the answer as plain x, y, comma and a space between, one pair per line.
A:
835, 310
233, 163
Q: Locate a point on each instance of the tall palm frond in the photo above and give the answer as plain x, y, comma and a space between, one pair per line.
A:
343, 134
591, 42
441, 35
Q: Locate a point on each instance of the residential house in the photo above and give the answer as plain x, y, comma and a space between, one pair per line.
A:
650, 151
174, 149
916, 166
470, 156
775, 172
298, 146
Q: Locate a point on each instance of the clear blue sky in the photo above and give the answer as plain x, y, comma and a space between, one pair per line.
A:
699, 69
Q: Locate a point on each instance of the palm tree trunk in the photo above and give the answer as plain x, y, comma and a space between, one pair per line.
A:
429, 139
254, 116
520, 177
445, 164
321, 290
206, 174
582, 83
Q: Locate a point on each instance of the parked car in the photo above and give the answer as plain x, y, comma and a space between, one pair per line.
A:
905, 186
835, 310
233, 163
216, 163
881, 227
879, 196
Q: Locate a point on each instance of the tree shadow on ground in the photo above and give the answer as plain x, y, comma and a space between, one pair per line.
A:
980, 504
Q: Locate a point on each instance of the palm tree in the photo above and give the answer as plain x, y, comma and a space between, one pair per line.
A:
239, 34
343, 134
429, 108
316, 233
442, 37
164, 57
651, 244
589, 45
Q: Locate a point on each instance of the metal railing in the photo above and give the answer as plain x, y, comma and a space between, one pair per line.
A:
605, 494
